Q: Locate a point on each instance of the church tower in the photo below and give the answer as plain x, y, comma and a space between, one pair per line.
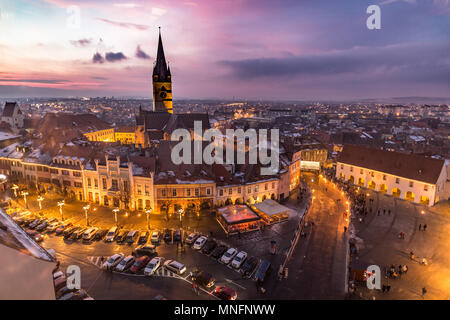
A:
162, 82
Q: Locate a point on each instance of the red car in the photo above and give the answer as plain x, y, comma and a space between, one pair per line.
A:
225, 293
139, 264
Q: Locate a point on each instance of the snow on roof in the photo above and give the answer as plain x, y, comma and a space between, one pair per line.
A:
199, 181
6, 136
271, 207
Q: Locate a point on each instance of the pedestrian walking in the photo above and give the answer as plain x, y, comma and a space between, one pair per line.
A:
420, 227
424, 291
424, 227
345, 229
384, 211
388, 288
389, 211
411, 255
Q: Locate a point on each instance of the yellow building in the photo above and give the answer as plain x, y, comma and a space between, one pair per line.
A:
106, 135
125, 135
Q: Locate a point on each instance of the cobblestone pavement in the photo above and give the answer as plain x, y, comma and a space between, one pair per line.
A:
318, 266
379, 243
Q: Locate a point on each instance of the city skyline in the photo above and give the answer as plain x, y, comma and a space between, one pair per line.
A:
325, 52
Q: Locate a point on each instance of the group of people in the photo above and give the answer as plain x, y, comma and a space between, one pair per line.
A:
394, 272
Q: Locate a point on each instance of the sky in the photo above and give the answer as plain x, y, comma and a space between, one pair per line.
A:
226, 49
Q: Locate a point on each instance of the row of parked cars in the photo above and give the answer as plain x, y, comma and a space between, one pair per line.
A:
144, 259
65, 293
236, 259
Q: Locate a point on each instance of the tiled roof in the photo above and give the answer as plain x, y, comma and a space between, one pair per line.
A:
408, 166
8, 111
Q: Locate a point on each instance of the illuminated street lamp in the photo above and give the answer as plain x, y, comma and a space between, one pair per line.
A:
24, 193
115, 215
39, 199
15, 187
60, 205
147, 212
86, 208
180, 212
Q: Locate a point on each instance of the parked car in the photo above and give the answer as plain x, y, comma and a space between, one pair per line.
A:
209, 246
177, 235
156, 237
153, 265
89, 234
175, 266
132, 236
35, 223
120, 238
203, 279
63, 291
239, 259
125, 264
51, 220
199, 243
100, 234
77, 234
111, 234
192, 237
145, 250
68, 232
53, 226
75, 295
168, 235
42, 226
143, 237
228, 256
60, 282
263, 271
219, 251
58, 274
64, 226
28, 221
35, 235
139, 264
249, 266
225, 293
113, 261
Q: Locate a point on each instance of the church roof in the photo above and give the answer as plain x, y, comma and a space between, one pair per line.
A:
8, 111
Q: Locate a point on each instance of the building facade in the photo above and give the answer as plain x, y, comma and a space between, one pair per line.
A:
411, 177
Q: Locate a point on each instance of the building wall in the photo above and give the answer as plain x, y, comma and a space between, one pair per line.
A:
251, 192
375, 179
106, 135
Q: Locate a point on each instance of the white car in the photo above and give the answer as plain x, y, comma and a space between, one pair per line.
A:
111, 234
175, 266
152, 266
89, 233
192, 237
199, 243
52, 227
125, 264
228, 256
156, 237
239, 259
113, 261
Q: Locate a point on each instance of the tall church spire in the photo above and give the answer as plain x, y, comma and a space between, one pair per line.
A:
160, 68
162, 81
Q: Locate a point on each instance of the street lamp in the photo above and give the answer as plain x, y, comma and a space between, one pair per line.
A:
39, 199
115, 215
15, 187
147, 212
24, 193
86, 208
180, 212
60, 205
